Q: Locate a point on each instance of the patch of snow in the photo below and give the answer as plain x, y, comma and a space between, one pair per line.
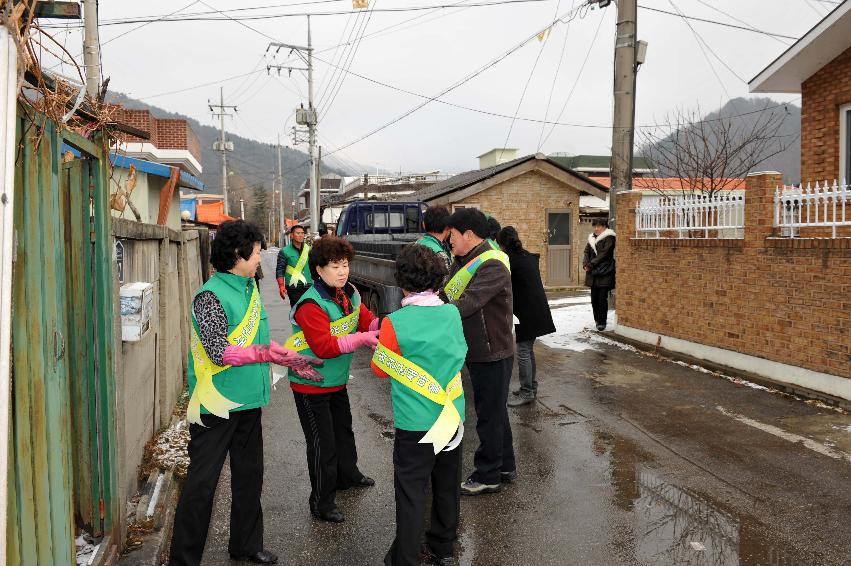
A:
580, 300
573, 329
152, 505
172, 448
699, 546
86, 550
842, 428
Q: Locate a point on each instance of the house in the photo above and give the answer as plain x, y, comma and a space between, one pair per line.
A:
152, 171
596, 166
534, 193
329, 184
817, 67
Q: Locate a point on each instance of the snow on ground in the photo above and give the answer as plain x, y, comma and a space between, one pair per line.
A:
581, 299
574, 327
171, 448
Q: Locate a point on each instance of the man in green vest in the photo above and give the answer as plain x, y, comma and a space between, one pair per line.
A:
437, 232
228, 377
480, 286
292, 271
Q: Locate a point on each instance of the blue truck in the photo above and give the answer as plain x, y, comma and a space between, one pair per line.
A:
378, 230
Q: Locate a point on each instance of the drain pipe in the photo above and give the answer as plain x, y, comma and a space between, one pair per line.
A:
8, 98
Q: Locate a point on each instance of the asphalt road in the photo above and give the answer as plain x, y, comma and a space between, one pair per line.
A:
624, 459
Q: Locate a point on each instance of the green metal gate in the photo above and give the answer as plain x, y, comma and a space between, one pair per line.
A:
62, 469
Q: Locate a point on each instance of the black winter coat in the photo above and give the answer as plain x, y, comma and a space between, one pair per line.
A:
601, 262
530, 301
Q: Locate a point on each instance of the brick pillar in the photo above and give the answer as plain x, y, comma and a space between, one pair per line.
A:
759, 207
626, 214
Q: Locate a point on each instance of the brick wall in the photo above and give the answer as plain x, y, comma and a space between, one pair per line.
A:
522, 202
165, 133
786, 300
822, 95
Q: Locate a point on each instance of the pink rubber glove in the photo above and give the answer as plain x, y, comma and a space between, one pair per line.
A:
374, 324
351, 342
301, 365
240, 356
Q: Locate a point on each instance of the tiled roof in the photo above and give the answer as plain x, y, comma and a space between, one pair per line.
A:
464, 180
675, 183
595, 161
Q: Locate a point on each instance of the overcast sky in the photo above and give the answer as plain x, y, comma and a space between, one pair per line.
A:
435, 51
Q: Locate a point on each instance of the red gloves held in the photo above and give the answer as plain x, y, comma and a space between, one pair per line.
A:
282, 288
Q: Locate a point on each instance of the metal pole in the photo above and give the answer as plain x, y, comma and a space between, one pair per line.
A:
623, 122
8, 98
242, 208
91, 47
281, 187
311, 127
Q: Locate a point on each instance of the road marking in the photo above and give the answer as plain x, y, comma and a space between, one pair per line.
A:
813, 445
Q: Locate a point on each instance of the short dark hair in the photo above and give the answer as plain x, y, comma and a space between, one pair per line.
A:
297, 227
509, 239
469, 219
234, 239
419, 269
493, 227
434, 219
327, 249
600, 222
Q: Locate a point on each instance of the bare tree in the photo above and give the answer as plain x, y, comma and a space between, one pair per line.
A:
709, 156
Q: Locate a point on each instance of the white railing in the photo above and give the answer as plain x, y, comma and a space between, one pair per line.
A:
825, 205
691, 216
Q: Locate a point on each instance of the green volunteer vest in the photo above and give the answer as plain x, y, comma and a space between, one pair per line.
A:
222, 389
334, 370
432, 243
457, 284
433, 339
297, 270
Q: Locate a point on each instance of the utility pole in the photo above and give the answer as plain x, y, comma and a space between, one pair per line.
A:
623, 122
242, 208
91, 47
223, 145
281, 187
306, 117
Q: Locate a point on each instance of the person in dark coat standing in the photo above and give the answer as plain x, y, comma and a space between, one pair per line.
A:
531, 309
599, 264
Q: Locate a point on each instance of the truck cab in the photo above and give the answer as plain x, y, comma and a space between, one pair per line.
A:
385, 218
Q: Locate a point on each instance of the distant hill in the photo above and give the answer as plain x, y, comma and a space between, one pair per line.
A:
744, 113
250, 163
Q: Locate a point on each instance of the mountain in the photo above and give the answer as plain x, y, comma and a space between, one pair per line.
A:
251, 163
743, 116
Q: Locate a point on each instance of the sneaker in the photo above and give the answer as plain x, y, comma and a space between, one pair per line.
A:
522, 398
471, 487
508, 477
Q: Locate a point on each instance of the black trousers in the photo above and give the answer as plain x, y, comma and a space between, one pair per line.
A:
600, 303
414, 465
495, 453
295, 293
332, 459
241, 436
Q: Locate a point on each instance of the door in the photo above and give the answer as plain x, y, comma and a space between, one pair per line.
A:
558, 248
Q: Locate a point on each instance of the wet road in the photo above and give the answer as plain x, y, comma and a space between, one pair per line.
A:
624, 459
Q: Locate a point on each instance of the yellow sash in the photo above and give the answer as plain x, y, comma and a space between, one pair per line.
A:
205, 392
340, 327
297, 273
420, 381
456, 286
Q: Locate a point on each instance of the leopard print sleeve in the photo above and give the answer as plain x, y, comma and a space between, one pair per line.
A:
212, 325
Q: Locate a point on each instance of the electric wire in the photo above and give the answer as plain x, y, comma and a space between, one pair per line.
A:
553, 85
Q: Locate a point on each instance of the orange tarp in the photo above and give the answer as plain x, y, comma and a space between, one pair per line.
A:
211, 213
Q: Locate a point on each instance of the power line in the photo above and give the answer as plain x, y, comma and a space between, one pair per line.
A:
555, 78
345, 54
202, 85
734, 18
716, 22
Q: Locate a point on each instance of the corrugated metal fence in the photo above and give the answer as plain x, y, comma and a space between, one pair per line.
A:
62, 449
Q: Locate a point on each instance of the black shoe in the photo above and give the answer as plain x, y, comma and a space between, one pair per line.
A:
508, 477
261, 557
433, 558
332, 516
601, 327
364, 481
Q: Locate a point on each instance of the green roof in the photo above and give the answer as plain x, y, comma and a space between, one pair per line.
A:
595, 161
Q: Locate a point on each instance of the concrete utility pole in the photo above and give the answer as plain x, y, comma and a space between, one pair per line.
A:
306, 117
91, 47
223, 145
623, 122
283, 235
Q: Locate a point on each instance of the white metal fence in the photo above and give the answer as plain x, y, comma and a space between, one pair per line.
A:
825, 205
691, 216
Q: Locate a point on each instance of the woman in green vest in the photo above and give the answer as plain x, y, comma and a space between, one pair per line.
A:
330, 322
422, 349
229, 361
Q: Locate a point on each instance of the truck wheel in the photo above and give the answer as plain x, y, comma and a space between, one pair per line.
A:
372, 303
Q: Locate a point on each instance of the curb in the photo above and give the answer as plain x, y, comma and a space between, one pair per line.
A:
155, 511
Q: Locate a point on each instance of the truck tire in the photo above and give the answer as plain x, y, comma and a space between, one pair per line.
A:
373, 302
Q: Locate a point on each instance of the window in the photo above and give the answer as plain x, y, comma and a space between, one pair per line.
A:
845, 143
384, 219
460, 206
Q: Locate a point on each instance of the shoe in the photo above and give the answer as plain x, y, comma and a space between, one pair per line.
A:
261, 557
508, 477
364, 481
601, 327
429, 555
332, 516
523, 398
471, 487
